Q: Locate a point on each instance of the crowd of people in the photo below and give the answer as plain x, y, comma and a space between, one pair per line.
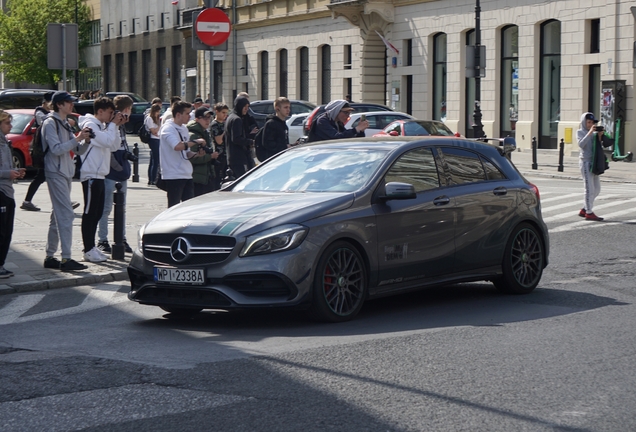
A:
193, 150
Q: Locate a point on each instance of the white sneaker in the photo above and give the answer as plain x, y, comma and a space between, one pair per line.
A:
94, 256
101, 253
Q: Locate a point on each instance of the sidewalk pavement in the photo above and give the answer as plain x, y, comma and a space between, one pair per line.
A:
26, 255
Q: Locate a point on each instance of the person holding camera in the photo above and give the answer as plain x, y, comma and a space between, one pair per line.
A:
152, 122
202, 166
331, 124
217, 130
275, 131
588, 133
7, 201
58, 140
119, 173
104, 126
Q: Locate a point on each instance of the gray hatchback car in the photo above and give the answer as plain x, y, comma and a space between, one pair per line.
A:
326, 226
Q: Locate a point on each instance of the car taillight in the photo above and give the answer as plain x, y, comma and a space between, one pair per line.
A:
310, 118
535, 189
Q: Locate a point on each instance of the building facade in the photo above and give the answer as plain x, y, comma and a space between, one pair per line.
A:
546, 63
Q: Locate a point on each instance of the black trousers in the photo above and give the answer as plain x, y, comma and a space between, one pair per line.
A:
179, 190
202, 189
94, 196
7, 215
35, 184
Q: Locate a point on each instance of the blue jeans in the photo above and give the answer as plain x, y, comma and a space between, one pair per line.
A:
109, 189
153, 166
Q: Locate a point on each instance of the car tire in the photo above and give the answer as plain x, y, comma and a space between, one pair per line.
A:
523, 261
340, 284
181, 311
18, 159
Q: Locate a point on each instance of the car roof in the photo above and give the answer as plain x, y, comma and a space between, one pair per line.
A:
382, 113
20, 111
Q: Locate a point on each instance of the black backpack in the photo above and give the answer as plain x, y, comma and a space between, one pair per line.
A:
144, 134
259, 145
37, 147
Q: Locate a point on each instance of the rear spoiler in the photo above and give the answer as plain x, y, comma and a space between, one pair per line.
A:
506, 145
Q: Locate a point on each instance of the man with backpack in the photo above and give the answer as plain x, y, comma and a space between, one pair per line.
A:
237, 144
273, 138
331, 124
58, 141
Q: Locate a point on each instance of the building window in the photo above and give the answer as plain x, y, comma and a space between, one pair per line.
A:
150, 22
282, 72
348, 86
408, 52
96, 32
409, 94
594, 90
123, 30
303, 60
146, 67
246, 65
347, 57
161, 69
550, 84
325, 74
107, 68
509, 80
439, 77
264, 81
595, 35
119, 66
469, 96
132, 71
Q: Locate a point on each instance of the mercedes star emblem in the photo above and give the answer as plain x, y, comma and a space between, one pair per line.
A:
180, 249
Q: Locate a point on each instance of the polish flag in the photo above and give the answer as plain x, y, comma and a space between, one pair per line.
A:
388, 44
175, 2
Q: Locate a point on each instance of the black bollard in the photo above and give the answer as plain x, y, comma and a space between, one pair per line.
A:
561, 149
229, 176
534, 153
118, 250
135, 151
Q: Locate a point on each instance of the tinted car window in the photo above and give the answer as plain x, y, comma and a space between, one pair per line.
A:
464, 166
417, 167
264, 108
492, 172
19, 122
298, 108
298, 121
394, 128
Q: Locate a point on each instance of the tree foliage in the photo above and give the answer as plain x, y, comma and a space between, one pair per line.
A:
23, 42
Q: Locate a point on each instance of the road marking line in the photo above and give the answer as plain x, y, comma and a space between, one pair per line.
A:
558, 198
600, 206
18, 306
584, 224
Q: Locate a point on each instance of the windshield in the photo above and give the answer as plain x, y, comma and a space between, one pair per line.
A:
314, 170
423, 127
19, 122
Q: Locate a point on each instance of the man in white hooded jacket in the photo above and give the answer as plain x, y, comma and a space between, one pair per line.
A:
95, 166
585, 136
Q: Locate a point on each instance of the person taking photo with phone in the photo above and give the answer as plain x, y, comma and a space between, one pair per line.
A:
331, 124
587, 134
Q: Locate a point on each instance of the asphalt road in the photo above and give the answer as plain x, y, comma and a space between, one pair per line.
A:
461, 357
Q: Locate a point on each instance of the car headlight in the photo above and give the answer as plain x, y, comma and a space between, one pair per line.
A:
140, 238
277, 239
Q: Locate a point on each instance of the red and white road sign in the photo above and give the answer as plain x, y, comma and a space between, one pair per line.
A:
212, 26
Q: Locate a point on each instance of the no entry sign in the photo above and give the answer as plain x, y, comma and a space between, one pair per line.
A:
212, 26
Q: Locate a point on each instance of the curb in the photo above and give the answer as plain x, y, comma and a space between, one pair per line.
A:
47, 284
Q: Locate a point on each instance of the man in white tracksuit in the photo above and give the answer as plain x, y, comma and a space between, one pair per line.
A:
95, 166
592, 183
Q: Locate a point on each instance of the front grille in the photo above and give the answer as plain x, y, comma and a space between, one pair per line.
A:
260, 285
182, 296
205, 249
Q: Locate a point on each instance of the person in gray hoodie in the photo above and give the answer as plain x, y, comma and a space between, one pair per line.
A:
585, 135
7, 202
58, 141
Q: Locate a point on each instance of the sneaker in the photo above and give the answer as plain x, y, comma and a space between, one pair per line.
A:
582, 212
75, 204
95, 256
4, 273
71, 265
51, 263
104, 246
127, 247
29, 206
592, 217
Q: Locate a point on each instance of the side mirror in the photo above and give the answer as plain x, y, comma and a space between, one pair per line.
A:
393, 133
399, 191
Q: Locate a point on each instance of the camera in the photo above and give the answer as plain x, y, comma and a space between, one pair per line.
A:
131, 157
207, 150
91, 134
599, 128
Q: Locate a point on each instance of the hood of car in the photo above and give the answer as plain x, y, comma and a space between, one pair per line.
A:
237, 213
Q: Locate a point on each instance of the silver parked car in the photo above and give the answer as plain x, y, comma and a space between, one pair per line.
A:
326, 226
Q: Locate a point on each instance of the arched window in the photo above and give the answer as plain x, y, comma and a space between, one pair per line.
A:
469, 109
325, 73
303, 69
509, 91
264, 66
282, 73
550, 84
439, 77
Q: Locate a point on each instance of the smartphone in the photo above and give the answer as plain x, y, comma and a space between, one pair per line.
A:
363, 117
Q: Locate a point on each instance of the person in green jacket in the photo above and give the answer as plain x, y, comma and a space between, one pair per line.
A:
202, 167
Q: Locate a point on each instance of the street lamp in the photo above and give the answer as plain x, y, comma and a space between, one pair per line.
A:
478, 70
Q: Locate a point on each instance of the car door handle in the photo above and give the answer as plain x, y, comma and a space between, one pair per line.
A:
443, 200
500, 191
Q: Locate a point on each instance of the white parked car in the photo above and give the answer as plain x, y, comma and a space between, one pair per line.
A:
295, 125
378, 120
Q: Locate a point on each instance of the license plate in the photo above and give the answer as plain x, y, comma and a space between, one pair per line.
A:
179, 276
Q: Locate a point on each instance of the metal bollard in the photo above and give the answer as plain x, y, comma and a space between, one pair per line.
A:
534, 153
118, 250
229, 176
135, 151
561, 149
